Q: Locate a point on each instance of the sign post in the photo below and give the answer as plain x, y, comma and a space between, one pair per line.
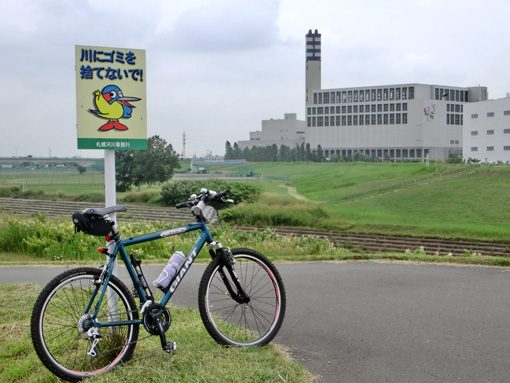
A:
111, 110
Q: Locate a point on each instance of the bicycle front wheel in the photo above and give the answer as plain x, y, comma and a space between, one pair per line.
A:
62, 330
232, 323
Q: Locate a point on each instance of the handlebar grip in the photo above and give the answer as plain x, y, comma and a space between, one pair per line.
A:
183, 204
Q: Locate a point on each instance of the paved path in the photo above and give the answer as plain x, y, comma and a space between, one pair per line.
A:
380, 322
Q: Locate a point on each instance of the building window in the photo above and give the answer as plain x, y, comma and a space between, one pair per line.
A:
404, 106
362, 108
326, 121
399, 118
314, 110
404, 118
397, 94
411, 93
372, 109
506, 131
474, 132
385, 94
506, 113
332, 97
355, 95
385, 118
474, 148
404, 93
474, 115
349, 109
490, 132
367, 95
332, 120
392, 118
379, 119
349, 96
337, 110
490, 148
326, 98
344, 109
349, 120
315, 98
344, 120
373, 119
361, 119
320, 98
398, 107
506, 148
379, 94
338, 97
337, 121
320, 110
326, 109
490, 114
355, 120
392, 107
344, 97
373, 94
361, 96
314, 121
367, 119
309, 123
457, 119
379, 107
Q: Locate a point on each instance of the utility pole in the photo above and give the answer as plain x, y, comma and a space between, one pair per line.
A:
183, 144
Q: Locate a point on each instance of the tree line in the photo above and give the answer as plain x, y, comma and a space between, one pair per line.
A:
273, 153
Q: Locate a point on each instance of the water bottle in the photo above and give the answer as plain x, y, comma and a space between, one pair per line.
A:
174, 264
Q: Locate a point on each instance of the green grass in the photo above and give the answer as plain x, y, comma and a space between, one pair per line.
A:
407, 199
198, 357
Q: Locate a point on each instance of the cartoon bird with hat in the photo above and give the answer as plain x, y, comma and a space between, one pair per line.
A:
112, 105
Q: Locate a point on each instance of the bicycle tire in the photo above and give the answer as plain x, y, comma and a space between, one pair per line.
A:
243, 324
58, 313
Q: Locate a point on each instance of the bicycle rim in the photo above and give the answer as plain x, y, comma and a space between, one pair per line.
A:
250, 324
62, 327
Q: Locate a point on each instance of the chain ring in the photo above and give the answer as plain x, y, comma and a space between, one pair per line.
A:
149, 318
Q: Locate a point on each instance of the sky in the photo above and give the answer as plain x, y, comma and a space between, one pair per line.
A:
217, 68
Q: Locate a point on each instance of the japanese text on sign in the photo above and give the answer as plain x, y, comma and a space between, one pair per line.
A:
88, 72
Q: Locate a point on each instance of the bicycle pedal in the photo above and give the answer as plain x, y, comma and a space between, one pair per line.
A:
171, 347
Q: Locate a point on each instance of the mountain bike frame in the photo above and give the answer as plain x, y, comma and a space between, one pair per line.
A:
139, 282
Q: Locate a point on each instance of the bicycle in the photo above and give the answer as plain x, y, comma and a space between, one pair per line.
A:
86, 321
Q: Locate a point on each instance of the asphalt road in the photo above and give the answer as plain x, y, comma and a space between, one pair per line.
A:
379, 322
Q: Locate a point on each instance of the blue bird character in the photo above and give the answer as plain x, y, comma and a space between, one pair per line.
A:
112, 105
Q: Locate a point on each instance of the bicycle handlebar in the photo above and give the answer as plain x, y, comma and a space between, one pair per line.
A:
206, 196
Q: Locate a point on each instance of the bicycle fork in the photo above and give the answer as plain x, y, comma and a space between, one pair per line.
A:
238, 294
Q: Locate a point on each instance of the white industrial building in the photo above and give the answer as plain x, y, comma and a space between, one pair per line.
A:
487, 131
394, 122
290, 132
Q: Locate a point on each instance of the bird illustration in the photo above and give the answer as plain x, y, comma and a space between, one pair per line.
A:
112, 105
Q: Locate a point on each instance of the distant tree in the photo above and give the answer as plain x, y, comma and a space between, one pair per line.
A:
156, 164
124, 166
229, 151
82, 169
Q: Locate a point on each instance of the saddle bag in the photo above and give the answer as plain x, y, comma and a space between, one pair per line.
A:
91, 224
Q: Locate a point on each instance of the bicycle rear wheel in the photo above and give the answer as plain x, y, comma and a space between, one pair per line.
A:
60, 327
232, 323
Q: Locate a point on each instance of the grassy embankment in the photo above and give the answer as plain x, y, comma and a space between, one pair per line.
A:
399, 199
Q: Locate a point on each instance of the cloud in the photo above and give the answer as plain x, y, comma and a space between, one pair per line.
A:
225, 26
